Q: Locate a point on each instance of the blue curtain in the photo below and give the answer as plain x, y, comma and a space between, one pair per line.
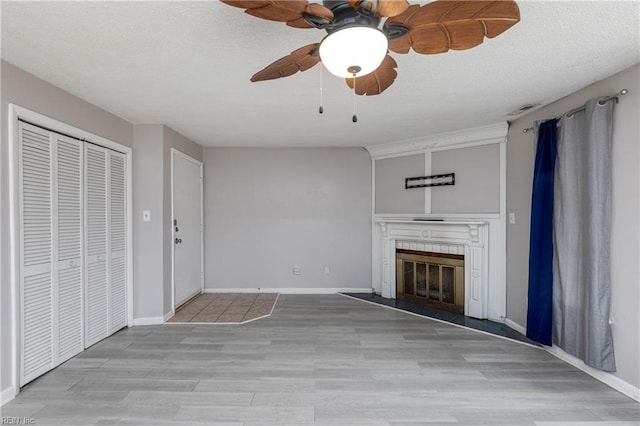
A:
540, 307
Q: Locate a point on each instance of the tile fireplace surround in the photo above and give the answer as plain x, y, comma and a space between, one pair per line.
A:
478, 239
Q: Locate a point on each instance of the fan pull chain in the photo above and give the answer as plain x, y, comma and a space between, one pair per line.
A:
321, 109
355, 117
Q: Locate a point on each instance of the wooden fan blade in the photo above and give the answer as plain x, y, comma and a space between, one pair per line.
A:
246, 4
400, 45
290, 11
299, 60
388, 8
273, 11
443, 24
320, 11
377, 81
385, 8
320, 15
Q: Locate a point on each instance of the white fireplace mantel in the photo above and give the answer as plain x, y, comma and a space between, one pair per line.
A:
484, 291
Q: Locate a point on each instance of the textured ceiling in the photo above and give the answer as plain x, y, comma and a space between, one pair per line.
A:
188, 64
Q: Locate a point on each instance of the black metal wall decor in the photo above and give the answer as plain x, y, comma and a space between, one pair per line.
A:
428, 181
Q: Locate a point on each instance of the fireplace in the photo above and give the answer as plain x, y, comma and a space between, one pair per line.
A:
478, 240
433, 279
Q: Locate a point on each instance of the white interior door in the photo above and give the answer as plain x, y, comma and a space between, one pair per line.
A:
36, 286
73, 247
117, 241
51, 223
69, 247
97, 285
186, 184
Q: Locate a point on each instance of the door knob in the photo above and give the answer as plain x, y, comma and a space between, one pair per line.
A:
178, 240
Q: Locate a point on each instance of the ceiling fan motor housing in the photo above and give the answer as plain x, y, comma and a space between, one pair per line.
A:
364, 16
346, 16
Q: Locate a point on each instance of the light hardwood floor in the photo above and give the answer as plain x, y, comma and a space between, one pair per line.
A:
324, 360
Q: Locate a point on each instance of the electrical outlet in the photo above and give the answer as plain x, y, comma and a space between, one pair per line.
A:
512, 218
296, 270
327, 271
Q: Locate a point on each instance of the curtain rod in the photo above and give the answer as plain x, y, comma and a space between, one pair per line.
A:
601, 101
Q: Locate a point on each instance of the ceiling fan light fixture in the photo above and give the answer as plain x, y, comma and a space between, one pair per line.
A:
350, 48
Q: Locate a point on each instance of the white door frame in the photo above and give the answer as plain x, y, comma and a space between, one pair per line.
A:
184, 156
17, 112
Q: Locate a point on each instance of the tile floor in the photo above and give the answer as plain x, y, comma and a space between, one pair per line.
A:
227, 308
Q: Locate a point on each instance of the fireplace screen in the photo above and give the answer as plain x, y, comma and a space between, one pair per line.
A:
430, 278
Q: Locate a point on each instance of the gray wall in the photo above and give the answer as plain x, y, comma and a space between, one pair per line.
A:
148, 236
25, 90
625, 239
477, 188
391, 196
152, 191
268, 210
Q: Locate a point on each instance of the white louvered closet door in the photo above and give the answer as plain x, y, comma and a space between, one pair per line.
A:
73, 247
117, 241
36, 286
96, 241
69, 245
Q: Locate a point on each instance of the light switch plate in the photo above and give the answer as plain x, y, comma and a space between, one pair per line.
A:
146, 216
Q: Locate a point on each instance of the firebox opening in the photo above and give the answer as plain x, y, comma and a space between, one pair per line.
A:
435, 279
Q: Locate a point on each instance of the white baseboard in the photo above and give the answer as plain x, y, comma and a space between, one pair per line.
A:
606, 378
7, 395
315, 290
515, 326
148, 321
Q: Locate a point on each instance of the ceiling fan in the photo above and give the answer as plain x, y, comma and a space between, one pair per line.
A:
356, 48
